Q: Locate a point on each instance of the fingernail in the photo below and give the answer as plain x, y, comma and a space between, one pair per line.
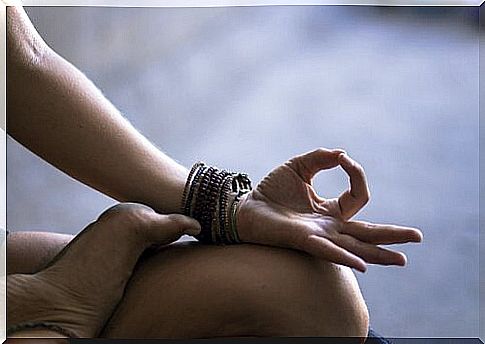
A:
193, 230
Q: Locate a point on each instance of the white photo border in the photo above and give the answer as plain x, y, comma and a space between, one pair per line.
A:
208, 3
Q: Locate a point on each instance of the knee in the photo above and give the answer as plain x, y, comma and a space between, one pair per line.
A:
340, 309
241, 290
303, 296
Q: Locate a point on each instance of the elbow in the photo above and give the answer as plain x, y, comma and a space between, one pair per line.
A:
25, 47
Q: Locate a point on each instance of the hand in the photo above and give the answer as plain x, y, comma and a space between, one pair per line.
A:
284, 210
79, 289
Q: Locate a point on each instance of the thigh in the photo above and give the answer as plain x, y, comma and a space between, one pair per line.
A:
187, 290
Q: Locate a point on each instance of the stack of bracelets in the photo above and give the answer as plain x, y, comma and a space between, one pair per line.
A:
211, 197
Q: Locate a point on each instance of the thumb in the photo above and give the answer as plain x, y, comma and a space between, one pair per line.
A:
309, 164
173, 226
186, 224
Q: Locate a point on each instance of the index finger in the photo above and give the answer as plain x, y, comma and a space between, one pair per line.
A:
354, 199
309, 164
382, 233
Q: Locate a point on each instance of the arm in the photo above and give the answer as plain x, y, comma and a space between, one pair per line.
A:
59, 114
56, 112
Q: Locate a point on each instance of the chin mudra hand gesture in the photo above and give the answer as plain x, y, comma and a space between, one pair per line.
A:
285, 210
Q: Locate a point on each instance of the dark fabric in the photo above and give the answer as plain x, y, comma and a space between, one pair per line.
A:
375, 338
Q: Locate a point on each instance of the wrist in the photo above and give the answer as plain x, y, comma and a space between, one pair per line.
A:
243, 220
212, 197
166, 194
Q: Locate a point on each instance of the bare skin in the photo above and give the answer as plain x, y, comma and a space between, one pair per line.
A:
289, 295
57, 113
67, 291
284, 210
94, 259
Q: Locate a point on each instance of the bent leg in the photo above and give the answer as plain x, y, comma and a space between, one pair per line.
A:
187, 290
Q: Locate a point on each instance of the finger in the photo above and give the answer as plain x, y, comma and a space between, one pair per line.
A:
308, 164
168, 228
381, 233
323, 248
354, 199
370, 253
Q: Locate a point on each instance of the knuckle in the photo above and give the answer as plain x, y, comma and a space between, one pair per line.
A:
321, 150
339, 227
371, 226
352, 245
359, 168
127, 213
292, 162
306, 242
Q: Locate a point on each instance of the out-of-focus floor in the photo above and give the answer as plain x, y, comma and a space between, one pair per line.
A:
247, 88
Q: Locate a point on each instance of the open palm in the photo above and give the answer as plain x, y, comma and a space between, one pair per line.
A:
284, 210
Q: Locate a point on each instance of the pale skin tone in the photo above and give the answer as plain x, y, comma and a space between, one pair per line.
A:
56, 112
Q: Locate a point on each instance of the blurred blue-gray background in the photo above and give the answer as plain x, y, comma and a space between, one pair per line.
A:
246, 88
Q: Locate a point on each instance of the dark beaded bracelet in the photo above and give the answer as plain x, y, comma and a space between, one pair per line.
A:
211, 205
194, 168
192, 186
211, 196
223, 199
201, 207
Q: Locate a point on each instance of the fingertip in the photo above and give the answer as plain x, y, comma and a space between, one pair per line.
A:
195, 227
191, 227
193, 231
360, 265
418, 236
362, 268
342, 158
404, 260
414, 235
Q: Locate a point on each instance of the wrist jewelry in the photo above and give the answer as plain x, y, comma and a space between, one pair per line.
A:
211, 197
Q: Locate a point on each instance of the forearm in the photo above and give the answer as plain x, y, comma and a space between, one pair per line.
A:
56, 112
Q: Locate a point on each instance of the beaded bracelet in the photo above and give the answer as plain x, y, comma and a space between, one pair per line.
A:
211, 196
